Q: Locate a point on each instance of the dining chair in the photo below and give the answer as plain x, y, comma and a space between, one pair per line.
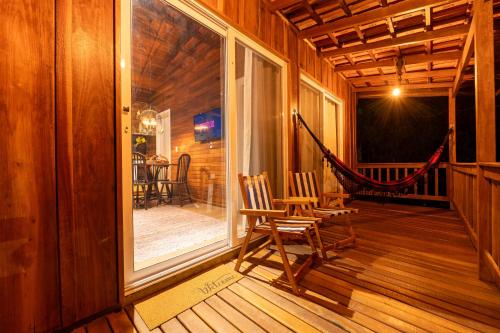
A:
179, 187
141, 180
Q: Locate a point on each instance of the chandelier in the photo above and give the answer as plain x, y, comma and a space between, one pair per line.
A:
146, 115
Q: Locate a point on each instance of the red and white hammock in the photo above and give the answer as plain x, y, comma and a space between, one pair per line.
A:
355, 182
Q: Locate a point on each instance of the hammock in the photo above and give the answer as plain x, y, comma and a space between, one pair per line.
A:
355, 182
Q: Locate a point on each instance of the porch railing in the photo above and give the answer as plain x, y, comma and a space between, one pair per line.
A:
489, 218
464, 192
433, 186
476, 198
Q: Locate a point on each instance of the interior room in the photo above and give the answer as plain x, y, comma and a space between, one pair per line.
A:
250, 166
178, 121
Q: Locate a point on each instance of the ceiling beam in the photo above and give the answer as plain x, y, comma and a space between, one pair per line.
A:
312, 12
345, 8
280, 4
406, 87
381, 13
464, 58
405, 76
399, 41
407, 93
408, 60
422, 58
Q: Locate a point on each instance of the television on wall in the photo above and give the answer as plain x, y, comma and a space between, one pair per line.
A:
208, 126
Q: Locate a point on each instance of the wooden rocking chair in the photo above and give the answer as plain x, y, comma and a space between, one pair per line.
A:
264, 218
326, 206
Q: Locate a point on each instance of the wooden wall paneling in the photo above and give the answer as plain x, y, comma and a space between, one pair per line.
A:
28, 219
264, 25
318, 69
86, 157
250, 14
204, 81
230, 9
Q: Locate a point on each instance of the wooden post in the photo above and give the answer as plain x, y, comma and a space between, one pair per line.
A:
485, 119
452, 145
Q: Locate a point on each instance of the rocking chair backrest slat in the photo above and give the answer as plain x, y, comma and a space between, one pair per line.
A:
305, 184
256, 192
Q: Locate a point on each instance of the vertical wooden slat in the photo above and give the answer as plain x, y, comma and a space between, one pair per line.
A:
28, 221
495, 222
426, 184
415, 187
436, 181
86, 157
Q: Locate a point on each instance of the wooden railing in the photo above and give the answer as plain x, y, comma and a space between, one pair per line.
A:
464, 180
476, 198
433, 186
489, 220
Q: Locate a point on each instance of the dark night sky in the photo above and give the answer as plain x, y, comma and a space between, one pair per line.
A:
403, 129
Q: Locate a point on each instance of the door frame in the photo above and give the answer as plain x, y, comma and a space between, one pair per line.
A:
137, 280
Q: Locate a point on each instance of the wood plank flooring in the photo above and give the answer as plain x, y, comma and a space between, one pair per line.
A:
413, 269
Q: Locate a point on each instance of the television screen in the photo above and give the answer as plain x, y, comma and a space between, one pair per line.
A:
208, 126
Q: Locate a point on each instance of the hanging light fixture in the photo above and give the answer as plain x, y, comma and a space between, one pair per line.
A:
147, 115
396, 91
148, 120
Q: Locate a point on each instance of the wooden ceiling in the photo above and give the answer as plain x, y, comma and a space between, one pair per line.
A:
364, 39
166, 45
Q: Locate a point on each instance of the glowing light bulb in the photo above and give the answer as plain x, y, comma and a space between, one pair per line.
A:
122, 63
396, 92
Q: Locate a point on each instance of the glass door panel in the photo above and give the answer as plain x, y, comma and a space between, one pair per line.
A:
260, 119
178, 145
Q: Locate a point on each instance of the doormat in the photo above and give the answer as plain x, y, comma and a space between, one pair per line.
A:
168, 304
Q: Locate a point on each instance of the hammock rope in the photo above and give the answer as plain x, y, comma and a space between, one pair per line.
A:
356, 183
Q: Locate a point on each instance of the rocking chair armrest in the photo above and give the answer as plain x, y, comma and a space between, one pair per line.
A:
336, 195
285, 223
311, 219
295, 201
264, 212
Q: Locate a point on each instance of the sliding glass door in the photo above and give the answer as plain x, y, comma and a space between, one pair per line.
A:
201, 103
174, 140
260, 119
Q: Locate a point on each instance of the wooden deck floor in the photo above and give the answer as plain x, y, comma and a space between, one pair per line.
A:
412, 270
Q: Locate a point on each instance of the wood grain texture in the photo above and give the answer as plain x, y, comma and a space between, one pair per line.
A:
421, 278
86, 157
28, 220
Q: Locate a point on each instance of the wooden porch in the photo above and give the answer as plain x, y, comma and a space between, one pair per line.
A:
413, 269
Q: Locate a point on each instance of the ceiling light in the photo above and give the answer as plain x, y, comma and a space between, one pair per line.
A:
396, 91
